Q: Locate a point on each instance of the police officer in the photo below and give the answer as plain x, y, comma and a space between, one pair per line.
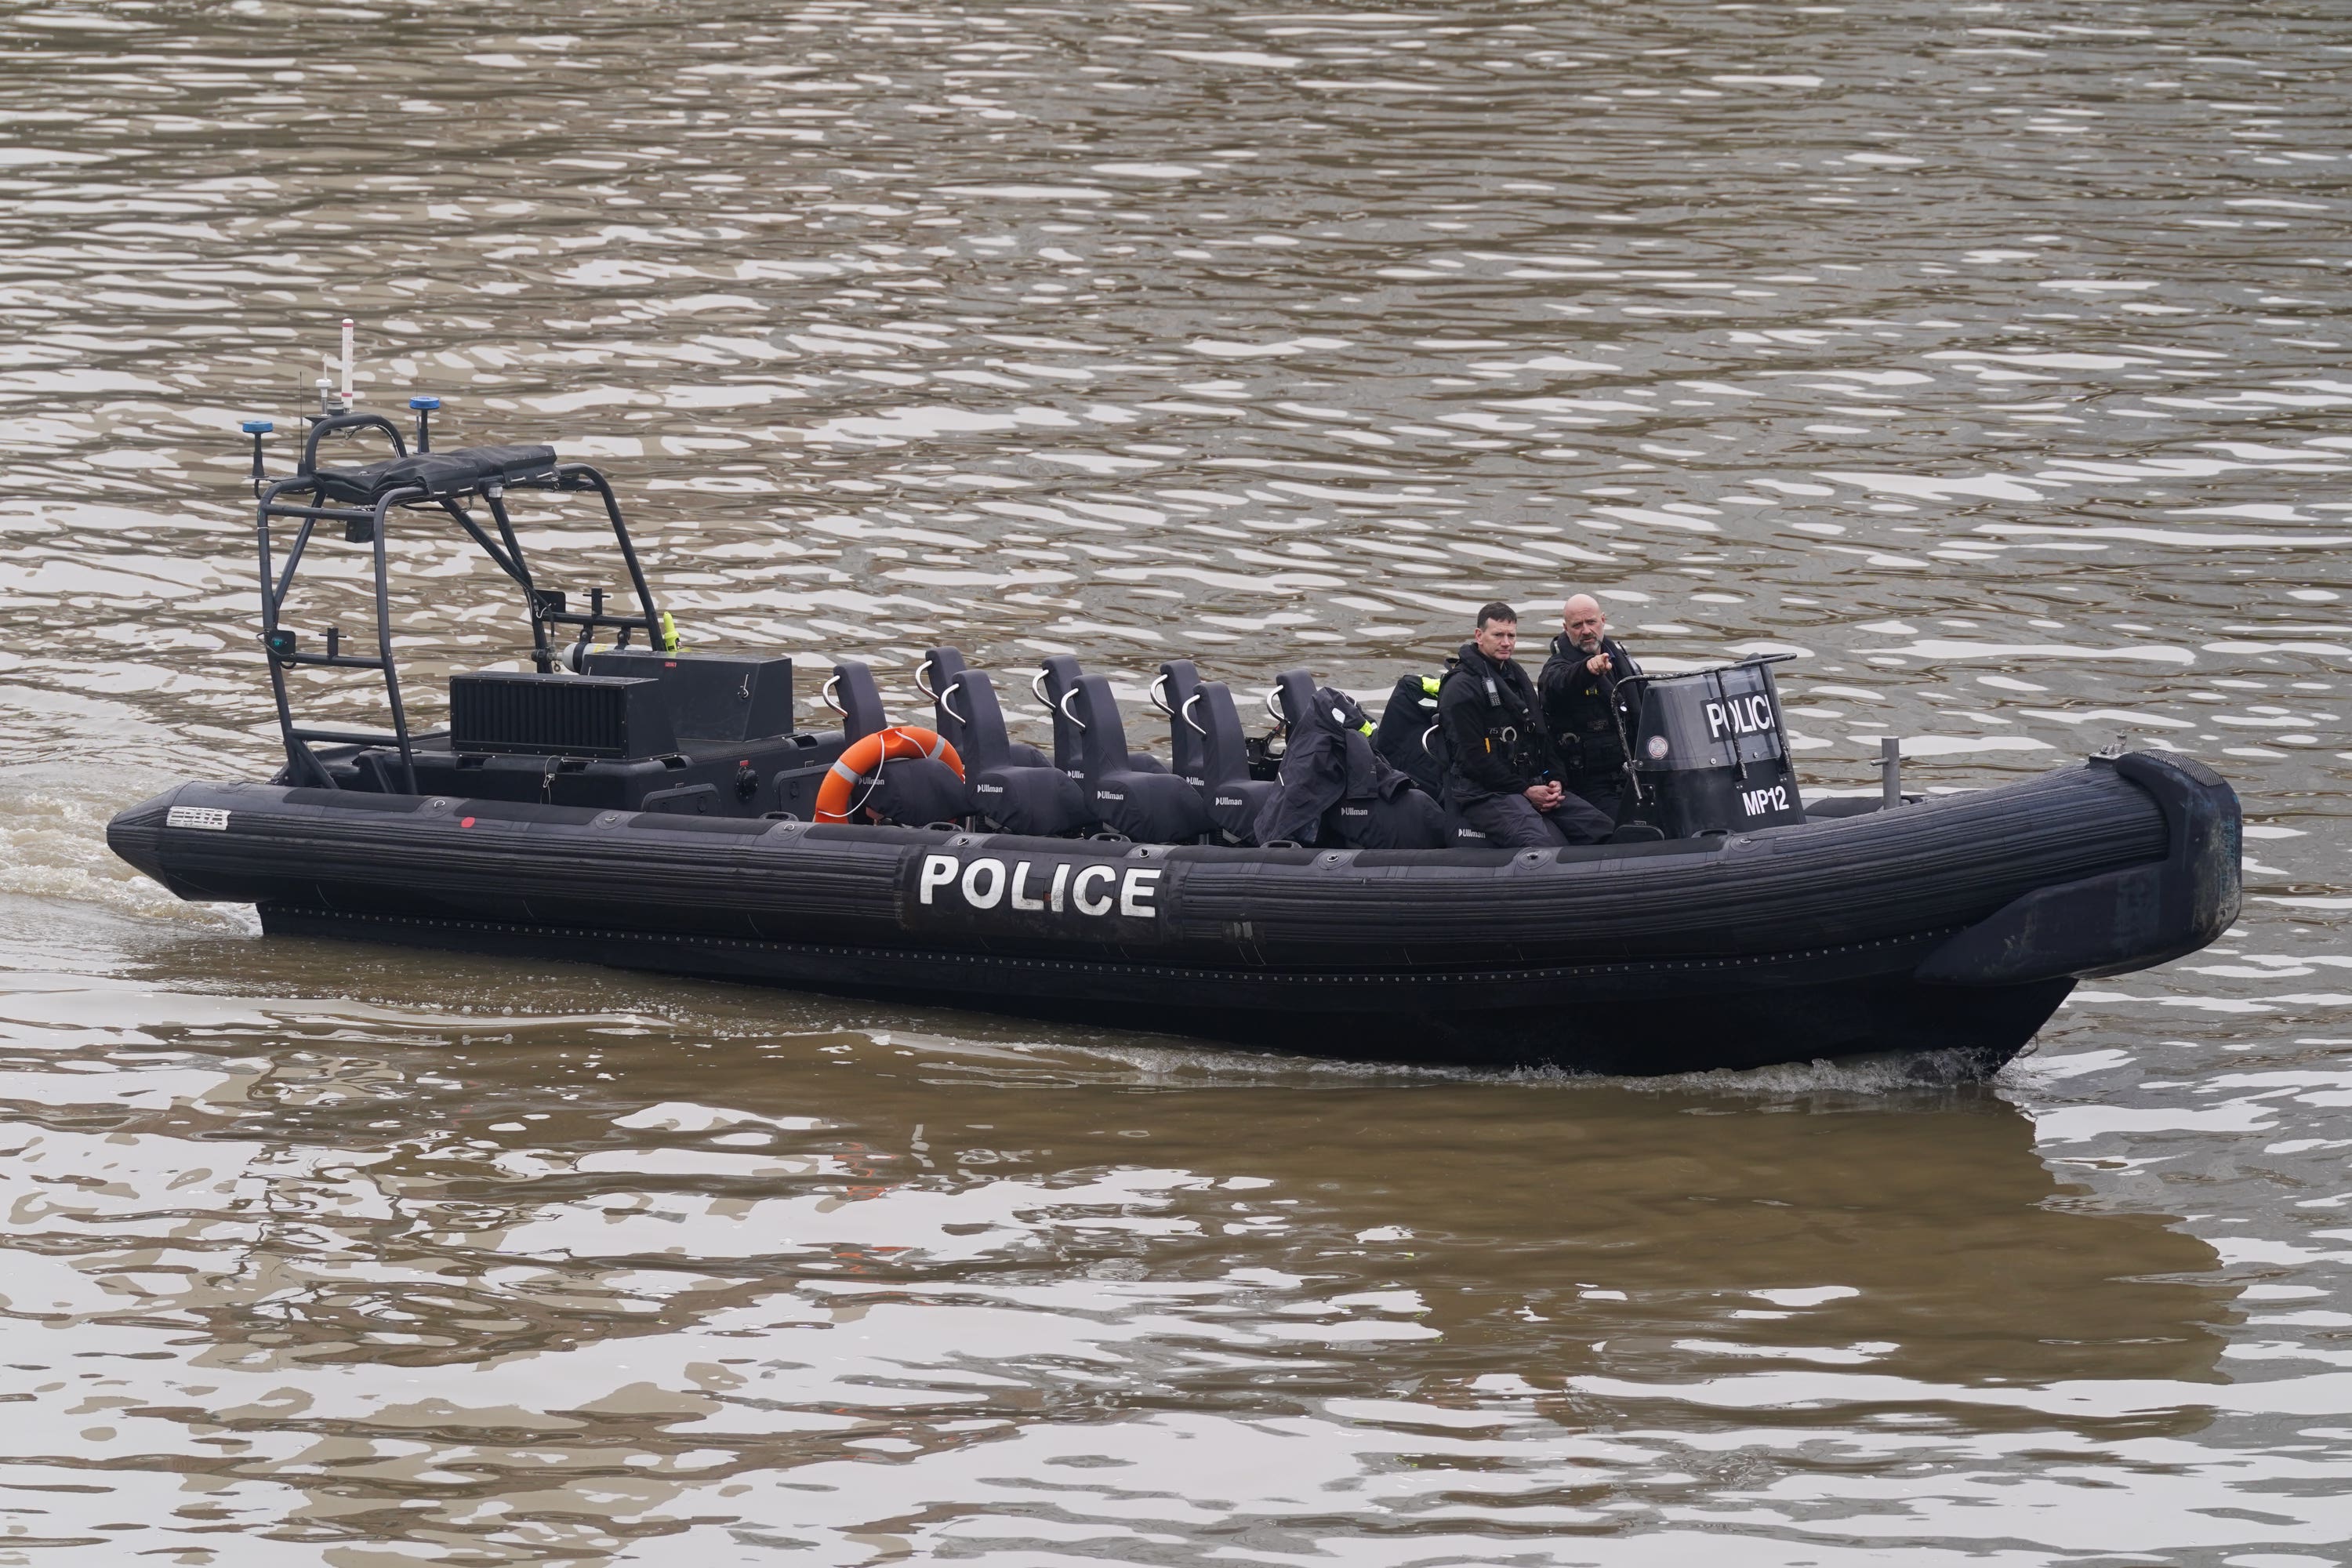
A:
1578, 684
1500, 772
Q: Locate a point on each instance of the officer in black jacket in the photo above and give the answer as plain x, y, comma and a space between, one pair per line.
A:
1500, 772
1579, 685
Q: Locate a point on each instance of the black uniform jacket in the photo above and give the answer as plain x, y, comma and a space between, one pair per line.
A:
1580, 707
1494, 729
1328, 767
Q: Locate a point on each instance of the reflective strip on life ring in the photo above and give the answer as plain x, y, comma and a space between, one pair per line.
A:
863, 756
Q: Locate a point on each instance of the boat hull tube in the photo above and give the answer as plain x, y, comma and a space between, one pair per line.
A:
1954, 927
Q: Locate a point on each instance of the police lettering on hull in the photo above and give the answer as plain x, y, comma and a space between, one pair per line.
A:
1012, 893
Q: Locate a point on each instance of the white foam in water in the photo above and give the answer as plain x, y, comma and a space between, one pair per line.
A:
1890, 1072
52, 845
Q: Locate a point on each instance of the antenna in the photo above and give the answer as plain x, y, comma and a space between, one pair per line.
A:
347, 364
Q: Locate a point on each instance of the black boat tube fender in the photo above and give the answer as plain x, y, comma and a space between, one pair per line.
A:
2119, 921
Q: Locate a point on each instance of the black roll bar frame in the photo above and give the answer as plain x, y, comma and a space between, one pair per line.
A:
369, 523
336, 422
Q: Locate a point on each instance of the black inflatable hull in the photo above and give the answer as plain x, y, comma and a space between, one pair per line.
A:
1952, 929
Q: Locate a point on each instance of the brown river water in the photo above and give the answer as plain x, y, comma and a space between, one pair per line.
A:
1989, 357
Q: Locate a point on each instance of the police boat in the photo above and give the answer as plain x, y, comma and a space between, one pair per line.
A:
623, 801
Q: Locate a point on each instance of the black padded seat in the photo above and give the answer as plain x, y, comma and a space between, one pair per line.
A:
851, 691
1463, 836
936, 670
1175, 686
913, 790
1234, 797
1408, 738
1151, 808
455, 472
1036, 802
1294, 696
942, 668
1057, 676
1407, 733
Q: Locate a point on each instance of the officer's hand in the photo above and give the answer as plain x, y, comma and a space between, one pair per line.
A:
1598, 664
1543, 796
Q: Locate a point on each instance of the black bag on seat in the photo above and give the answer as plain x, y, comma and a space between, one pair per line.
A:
1334, 788
1042, 802
1153, 808
1234, 797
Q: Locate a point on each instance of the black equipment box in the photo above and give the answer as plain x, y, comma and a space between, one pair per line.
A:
711, 697
1709, 755
521, 713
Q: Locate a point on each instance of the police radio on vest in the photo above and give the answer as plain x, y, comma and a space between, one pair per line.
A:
1739, 716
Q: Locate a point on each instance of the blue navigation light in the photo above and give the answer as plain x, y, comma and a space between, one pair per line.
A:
425, 402
256, 426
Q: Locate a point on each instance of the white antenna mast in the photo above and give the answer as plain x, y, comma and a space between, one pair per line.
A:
347, 364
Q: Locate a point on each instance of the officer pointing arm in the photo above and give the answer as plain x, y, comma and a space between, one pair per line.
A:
1580, 696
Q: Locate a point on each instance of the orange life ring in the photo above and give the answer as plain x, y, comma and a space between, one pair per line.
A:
863, 756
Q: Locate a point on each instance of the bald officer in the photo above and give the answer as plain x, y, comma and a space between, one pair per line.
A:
1579, 688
